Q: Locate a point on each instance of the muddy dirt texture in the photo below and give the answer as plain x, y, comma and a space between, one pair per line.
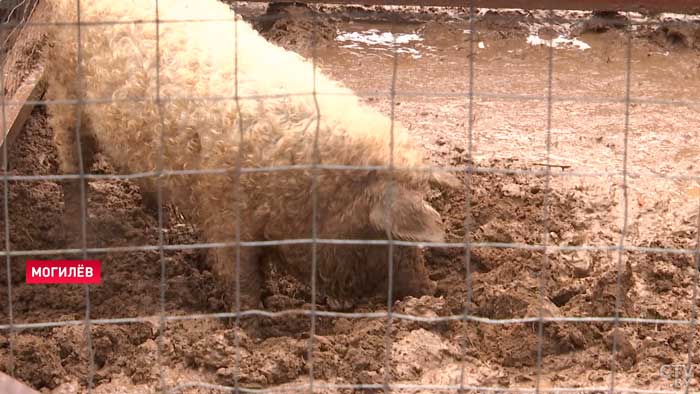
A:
541, 175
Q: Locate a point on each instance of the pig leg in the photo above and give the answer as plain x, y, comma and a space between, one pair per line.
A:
64, 123
249, 276
149, 197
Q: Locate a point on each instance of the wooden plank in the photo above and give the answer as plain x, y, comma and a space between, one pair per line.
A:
12, 386
11, 32
16, 115
680, 6
24, 48
22, 75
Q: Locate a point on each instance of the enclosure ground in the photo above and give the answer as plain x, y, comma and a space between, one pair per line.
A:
584, 200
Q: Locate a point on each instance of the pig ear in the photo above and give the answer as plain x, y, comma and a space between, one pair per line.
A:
408, 217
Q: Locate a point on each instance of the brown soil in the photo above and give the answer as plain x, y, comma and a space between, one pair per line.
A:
506, 207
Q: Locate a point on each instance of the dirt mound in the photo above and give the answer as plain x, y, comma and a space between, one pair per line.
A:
671, 34
296, 27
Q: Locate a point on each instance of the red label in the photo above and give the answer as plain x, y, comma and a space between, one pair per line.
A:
81, 272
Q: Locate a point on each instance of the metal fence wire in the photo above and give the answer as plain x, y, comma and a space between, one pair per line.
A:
15, 14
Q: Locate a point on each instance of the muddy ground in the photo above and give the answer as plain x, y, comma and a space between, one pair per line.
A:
584, 199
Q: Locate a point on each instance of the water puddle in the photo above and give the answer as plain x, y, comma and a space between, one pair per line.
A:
559, 42
373, 39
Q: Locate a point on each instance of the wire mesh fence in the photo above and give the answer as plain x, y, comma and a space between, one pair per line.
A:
546, 248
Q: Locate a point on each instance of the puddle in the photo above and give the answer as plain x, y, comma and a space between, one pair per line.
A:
559, 42
408, 43
375, 37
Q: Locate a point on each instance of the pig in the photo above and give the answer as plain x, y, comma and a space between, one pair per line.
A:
193, 95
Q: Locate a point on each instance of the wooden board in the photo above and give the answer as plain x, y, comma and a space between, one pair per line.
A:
16, 115
22, 75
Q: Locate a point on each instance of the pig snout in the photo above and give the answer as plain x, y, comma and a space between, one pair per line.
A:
412, 276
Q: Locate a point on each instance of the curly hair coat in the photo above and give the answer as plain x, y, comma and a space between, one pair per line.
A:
189, 94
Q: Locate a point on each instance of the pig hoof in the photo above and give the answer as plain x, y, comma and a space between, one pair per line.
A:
250, 325
432, 288
336, 304
246, 303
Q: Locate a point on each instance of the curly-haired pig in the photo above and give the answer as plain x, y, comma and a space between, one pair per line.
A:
225, 98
